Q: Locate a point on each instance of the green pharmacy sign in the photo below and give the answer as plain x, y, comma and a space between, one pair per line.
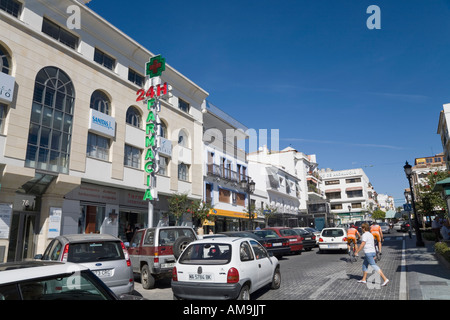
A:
155, 67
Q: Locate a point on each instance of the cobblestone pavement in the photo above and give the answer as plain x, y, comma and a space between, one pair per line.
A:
328, 276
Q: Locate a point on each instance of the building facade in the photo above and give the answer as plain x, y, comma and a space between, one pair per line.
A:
225, 166
73, 133
348, 193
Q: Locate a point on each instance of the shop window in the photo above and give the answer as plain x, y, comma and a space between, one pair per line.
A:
50, 130
91, 219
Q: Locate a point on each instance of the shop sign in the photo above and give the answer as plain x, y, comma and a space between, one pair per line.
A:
151, 98
6, 88
102, 123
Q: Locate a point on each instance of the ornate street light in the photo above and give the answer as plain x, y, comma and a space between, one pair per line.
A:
408, 171
249, 187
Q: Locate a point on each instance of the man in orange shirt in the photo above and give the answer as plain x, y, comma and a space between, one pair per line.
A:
352, 234
375, 230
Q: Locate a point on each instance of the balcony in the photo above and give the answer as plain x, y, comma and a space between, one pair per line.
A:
224, 173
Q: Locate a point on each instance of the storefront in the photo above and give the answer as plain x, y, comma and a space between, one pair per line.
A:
227, 220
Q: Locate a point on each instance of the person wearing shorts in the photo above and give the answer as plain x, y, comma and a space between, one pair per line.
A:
375, 230
352, 236
368, 245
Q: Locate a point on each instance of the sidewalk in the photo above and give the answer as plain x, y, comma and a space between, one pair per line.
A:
427, 278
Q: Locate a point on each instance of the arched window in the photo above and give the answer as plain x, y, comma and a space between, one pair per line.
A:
183, 139
5, 61
133, 117
163, 130
100, 102
50, 132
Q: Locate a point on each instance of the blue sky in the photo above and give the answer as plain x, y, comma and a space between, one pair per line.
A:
357, 98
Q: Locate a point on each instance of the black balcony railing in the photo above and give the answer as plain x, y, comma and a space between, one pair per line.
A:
225, 173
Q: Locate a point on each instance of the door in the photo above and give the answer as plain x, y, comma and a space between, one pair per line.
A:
264, 264
22, 238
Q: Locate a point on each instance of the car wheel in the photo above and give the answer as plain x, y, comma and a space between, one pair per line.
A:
276, 279
147, 279
245, 293
179, 245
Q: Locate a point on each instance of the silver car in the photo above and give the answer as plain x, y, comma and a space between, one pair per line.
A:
105, 255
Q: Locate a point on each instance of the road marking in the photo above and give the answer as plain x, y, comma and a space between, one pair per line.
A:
331, 278
403, 294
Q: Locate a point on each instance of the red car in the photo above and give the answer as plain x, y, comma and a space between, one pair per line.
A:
295, 240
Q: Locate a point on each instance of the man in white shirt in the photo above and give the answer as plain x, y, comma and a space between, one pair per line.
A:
368, 245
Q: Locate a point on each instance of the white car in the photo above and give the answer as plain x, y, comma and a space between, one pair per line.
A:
385, 227
224, 268
333, 239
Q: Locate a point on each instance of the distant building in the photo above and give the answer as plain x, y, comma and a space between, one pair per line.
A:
348, 192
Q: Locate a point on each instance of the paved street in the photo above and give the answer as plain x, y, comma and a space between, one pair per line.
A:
329, 276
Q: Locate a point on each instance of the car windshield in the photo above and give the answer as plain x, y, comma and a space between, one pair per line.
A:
206, 254
266, 234
332, 233
95, 251
71, 286
301, 232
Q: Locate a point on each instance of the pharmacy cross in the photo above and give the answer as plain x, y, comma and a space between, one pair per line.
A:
155, 66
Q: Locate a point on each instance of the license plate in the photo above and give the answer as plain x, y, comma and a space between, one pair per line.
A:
308, 238
167, 265
332, 246
277, 244
200, 277
103, 273
292, 240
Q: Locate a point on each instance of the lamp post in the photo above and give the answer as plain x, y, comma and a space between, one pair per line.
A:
408, 172
249, 187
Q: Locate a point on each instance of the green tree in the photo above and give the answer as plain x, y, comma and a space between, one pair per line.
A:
378, 214
427, 201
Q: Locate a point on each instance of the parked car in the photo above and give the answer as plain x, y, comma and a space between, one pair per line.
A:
294, 239
314, 231
276, 245
385, 228
49, 280
153, 251
105, 255
333, 239
308, 238
224, 268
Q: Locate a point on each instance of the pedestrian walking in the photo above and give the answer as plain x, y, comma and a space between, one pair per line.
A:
368, 245
436, 227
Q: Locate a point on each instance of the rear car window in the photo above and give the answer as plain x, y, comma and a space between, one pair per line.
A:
95, 251
266, 234
288, 232
333, 233
206, 253
167, 237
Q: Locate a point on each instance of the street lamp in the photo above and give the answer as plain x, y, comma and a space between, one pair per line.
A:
249, 187
408, 172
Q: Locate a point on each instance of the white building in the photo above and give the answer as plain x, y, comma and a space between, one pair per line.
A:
224, 167
306, 183
60, 172
385, 202
348, 193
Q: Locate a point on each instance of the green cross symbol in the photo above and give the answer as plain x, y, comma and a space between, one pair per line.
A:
155, 66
